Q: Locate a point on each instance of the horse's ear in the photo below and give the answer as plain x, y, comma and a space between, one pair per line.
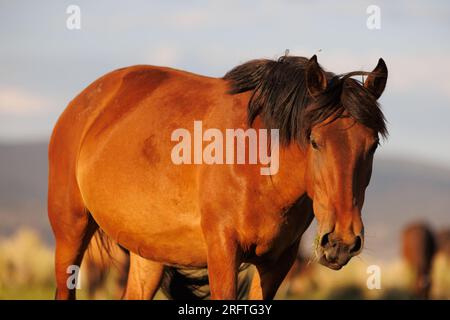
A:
376, 81
316, 79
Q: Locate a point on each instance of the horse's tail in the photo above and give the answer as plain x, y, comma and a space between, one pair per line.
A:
106, 248
192, 283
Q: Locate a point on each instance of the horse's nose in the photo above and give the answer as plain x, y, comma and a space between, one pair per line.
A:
357, 245
332, 243
335, 252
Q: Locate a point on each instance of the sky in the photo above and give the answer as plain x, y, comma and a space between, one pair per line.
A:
43, 64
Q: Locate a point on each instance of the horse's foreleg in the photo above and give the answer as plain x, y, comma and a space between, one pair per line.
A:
222, 262
144, 278
269, 277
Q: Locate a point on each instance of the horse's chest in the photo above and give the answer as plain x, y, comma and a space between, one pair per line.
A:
274, 238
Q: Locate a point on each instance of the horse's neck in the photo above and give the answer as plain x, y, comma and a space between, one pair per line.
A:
289, 184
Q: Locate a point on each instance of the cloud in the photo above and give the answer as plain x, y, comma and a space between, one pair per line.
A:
16, 101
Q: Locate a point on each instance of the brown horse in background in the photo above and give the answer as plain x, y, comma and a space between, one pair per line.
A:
443, 242
419, 247
110, 166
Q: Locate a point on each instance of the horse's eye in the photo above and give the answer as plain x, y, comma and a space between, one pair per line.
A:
314, 144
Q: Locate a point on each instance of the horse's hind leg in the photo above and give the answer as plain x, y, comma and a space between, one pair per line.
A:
144, 278
73, 228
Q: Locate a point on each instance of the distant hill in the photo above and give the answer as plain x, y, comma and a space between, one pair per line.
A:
23, 188
400, 191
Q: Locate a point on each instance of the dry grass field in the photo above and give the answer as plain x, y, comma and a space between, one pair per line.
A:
26, 272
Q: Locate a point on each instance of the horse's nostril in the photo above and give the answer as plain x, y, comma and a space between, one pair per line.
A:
357, 245
325, 240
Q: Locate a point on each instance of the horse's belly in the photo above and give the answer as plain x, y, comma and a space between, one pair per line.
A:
170, 235
149, 209
160, 237
175, 243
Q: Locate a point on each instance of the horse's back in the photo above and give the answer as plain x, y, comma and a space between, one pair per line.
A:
129, 84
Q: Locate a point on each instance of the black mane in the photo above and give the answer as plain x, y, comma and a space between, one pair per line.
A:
281, 98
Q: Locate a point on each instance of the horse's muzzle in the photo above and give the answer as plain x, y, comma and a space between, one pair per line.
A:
334, 254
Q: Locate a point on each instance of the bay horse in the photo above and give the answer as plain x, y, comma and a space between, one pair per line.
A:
443, 241
418, 249
110, 167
